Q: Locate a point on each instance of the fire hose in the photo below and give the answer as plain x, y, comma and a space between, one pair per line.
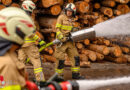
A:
52, 84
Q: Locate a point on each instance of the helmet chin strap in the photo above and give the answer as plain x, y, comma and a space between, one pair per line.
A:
29, 13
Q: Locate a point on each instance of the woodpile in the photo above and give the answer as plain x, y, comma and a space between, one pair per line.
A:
89, 13
96, 50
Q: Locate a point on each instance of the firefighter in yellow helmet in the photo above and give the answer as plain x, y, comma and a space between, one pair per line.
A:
29, 51
15, 25
64, 26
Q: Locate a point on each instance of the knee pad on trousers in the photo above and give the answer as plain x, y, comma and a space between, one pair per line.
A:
77, 61
61, 64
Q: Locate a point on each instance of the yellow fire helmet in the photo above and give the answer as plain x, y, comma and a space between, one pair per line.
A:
15, 24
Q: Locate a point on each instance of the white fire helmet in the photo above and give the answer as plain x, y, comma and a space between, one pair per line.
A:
15, 24
28, 5
71, 7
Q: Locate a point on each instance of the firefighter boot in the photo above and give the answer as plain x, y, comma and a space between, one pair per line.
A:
59, 70
76, 69
76, 75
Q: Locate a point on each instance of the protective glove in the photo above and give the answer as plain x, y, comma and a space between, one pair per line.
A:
41, 43
64, 39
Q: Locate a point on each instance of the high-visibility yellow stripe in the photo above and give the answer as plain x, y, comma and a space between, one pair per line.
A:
35, 37
37, 71
64, 27
28, 40
12, 87
58, 25
59, 70
75, 69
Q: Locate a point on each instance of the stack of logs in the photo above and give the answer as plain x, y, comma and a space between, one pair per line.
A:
95, 50
9, 3
89, 12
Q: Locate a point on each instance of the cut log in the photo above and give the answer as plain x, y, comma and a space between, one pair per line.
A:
91, 54
85, 64
99, 20
70, 1
49, 58
122, 1
89, 17
61, 2
97, 5
85, 21
99, 56
82, 6
48, 22
55, 10
46, 30
76, 24
87, 1
86, 42
109, 3
96, 13
34, 1
101, 41
115, 51
2, 7
125, 50
99, 48
82, 64
15, 5
117, 12
107, 11
123, 8
128, 58
79, 45
83, 57
6, 2
119, 60
48, 3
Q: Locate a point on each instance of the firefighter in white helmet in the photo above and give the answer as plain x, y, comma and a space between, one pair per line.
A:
29, 51
15, 25
64, 26
28, 6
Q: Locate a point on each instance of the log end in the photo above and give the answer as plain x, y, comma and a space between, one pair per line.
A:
117, 52
55, 10
84, 7
106, 51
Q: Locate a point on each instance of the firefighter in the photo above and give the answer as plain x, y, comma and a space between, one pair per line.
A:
64, 26
29, 51
15, 25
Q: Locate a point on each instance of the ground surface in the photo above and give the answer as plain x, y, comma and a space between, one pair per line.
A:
97, 71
